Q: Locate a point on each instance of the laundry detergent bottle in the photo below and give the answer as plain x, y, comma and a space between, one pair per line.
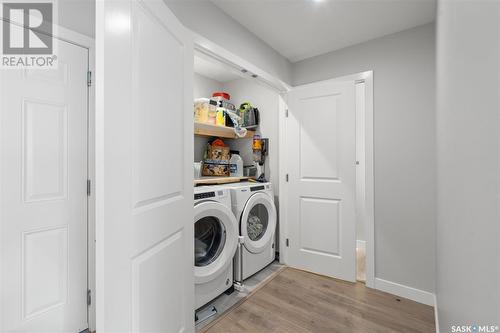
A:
236, 164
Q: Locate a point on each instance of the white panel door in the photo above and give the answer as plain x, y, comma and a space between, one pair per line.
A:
321, 165
145, 240
43, 196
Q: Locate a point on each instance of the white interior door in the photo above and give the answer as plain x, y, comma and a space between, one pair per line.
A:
43, 196
144, 145
321, 134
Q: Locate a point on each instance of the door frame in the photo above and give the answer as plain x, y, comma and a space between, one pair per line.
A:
369, 220
86, 42
247, 69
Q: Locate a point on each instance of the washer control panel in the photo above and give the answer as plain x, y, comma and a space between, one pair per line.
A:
209, 194
204, 195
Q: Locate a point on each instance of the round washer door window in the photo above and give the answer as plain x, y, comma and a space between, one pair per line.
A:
257, 222
215, 240
209, 240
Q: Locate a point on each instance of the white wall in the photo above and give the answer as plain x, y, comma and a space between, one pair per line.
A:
207, 20
468, 134
266, 100
404, 146
204, 86
77, 15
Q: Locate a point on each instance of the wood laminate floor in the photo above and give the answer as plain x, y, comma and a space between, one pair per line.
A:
298, 301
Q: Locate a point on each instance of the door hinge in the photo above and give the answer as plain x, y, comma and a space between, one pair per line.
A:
89, 78
89, 297
286, 177
286, 113
287, 242
89, 187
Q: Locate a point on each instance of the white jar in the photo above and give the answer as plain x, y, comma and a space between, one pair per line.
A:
197, 170
236, 164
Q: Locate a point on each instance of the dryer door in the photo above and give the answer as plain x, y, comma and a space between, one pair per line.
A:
215, 240
258, 222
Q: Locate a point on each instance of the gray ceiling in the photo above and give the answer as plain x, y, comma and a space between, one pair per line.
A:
300, 29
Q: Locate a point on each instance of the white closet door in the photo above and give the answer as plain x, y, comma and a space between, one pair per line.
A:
144, 173
321, 134
43, 200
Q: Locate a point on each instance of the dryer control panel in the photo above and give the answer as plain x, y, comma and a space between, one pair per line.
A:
257, 188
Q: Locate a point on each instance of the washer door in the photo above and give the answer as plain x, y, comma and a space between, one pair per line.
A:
215, 240
258, 222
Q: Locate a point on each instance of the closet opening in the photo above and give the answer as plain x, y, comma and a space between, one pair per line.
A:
236, 183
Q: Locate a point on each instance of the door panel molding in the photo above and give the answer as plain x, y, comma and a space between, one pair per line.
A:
49, 201
144, 194
367, 79
322, 145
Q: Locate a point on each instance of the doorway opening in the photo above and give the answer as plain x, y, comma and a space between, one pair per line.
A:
360, 181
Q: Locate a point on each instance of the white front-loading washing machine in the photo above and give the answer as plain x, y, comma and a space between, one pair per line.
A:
253, 206
215, 243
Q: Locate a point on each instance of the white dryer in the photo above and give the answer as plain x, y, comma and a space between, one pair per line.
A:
253, 206
215, 243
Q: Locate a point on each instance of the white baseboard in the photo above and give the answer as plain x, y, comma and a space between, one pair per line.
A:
361, 244
400, 290
436, 320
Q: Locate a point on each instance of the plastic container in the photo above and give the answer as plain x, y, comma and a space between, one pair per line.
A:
221, 117
257, 142
197, 170
220, 96
222, 101
257, 148
205, 111
235, 164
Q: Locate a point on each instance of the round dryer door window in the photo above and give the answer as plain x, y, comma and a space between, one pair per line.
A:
258, 222
209, 240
